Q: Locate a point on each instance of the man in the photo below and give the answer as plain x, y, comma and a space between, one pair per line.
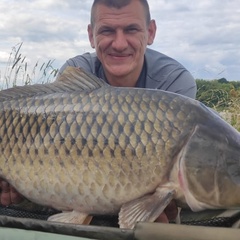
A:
120, 31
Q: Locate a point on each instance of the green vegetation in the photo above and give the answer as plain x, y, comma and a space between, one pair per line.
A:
223, 96
218, 94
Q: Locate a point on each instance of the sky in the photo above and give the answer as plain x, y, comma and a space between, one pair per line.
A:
203, 35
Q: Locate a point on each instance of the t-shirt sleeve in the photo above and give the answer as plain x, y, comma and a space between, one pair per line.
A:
167, 74
183, 83
85, 61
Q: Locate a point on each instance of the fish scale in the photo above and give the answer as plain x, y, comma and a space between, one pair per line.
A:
97, 149
58, 131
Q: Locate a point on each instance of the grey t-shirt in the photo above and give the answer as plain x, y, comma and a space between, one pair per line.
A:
159, 72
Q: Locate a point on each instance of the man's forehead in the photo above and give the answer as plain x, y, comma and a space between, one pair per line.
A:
111, 14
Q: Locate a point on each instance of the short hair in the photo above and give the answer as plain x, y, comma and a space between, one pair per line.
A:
119, 4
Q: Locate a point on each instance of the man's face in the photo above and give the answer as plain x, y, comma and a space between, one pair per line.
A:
120, 37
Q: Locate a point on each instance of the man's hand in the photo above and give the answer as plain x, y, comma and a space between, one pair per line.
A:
8, 194
169, 214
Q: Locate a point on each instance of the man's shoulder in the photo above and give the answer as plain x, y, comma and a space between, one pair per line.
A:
166, 73
85, 58
86, 61
160, 67
154, 58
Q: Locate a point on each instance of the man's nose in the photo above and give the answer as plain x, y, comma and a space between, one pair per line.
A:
119, 42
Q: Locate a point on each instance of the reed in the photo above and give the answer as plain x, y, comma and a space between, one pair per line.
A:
19, 72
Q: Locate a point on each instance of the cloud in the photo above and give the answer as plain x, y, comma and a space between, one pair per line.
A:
38, 23
48, 29
203, 35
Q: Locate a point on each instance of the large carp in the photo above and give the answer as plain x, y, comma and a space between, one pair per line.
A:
82, 146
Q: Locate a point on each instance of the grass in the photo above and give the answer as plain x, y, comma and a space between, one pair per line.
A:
227, 106
19, 72
232, 113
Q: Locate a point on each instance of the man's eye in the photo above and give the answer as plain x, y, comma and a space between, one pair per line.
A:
106, 31
132, 30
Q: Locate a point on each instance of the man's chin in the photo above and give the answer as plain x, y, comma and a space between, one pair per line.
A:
118, 71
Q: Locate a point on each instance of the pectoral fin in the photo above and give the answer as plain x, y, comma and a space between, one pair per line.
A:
147, 208
71, 217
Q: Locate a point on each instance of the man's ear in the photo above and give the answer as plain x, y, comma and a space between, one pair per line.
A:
90, 35
152, 28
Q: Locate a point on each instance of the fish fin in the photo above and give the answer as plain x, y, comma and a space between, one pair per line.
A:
80, 78
72, 79
74, 217
147, 208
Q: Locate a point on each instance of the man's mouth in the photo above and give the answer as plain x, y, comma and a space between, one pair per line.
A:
119, 56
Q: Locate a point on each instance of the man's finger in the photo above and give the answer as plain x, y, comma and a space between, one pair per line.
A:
162, 218
5, 197
171, 211
15, 196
